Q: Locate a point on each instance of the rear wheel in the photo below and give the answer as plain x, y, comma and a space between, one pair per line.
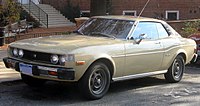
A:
33, 82
95, 82
175, 72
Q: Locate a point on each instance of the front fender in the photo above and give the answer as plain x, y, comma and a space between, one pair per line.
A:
89, 60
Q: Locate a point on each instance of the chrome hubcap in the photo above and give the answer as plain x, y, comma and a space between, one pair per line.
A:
98, 81
177, 69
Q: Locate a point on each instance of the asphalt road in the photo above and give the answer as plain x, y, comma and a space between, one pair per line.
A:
151, 91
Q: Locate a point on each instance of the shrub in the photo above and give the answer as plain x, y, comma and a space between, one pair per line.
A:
190, 28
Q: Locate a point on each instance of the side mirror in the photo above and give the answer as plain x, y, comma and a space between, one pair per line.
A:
143, 36
140, 38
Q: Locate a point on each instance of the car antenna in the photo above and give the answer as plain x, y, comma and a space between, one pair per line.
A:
143, 8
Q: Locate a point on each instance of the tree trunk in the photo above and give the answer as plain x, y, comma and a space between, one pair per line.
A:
2, 36
98, 7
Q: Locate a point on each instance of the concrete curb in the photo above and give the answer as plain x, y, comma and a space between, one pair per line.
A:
11, 81
9, 76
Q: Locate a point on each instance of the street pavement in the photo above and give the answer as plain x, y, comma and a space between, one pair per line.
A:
6, 75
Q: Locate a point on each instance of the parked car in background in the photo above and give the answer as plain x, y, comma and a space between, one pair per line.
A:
196, 38
104, 49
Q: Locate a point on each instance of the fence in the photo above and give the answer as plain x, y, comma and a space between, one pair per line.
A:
11, 39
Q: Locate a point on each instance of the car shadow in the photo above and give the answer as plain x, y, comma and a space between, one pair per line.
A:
194, 67
69, 91
61, 93
136, 84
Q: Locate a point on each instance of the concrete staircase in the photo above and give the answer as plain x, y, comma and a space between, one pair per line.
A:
45, 11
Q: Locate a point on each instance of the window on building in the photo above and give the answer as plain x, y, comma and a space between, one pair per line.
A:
129, 12
85, 13
172, 15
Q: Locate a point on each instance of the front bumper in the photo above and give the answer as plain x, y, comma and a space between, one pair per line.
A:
40, 71
194, 59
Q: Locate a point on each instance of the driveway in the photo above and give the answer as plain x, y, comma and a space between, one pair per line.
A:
150, 91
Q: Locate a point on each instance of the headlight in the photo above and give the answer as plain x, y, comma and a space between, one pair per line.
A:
70, 57
21, 53
62, 60
15, 52
54, 59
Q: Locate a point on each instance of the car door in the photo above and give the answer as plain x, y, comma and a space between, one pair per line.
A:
147, 55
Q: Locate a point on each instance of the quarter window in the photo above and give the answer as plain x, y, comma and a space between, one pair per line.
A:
161, 31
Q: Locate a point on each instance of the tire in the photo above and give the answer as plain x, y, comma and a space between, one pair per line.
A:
176, 70
95, 82
32, 82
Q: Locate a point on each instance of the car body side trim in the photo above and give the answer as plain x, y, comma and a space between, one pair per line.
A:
139, 75
137, 54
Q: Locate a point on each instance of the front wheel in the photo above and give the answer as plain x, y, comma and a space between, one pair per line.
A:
95, 82
175, 72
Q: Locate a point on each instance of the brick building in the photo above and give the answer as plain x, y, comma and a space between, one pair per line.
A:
164, 9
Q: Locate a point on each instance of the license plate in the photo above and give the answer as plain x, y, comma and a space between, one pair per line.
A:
25, 68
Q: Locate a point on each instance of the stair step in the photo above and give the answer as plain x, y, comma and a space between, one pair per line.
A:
57, 23
60, 23
55, 18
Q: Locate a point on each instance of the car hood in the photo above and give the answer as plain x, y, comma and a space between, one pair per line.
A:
62, 43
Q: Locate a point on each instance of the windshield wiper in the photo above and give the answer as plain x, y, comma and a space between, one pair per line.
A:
102, 34
79, 32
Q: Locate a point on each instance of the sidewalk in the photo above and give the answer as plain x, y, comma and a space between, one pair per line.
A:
6, 75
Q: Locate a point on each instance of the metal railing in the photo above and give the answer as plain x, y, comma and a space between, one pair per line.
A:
35, 10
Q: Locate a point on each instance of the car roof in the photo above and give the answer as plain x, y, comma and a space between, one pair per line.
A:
126, 17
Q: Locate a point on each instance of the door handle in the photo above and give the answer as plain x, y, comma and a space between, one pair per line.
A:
157, 42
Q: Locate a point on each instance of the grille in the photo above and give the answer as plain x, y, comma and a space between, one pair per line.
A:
37, 56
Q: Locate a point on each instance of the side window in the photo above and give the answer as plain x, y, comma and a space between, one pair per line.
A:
161, 31
148, 28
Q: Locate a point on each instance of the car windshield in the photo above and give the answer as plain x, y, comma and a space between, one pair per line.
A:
106, 28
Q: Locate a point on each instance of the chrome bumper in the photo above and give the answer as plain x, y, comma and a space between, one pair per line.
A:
44, 72
194, 59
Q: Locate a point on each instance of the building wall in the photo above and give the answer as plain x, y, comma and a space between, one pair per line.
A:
59, 4
188, 9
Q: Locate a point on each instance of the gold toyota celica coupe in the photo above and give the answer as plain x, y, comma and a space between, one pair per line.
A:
103, 49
